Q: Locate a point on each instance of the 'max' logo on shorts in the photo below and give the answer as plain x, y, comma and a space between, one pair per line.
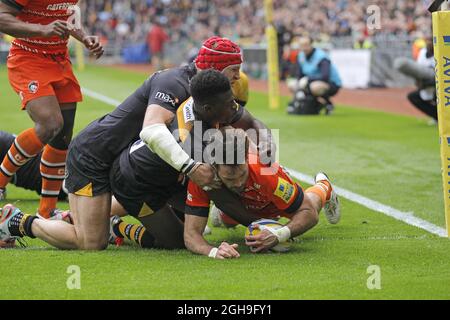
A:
60, 6
165, 97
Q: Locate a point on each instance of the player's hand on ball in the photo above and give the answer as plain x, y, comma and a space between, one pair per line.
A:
227, 251
94, 46
262, 242
56, 28
205, 177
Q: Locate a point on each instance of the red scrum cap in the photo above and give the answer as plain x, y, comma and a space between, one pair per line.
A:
218, 53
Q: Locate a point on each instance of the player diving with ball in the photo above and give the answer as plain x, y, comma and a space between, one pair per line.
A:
265, 191
269, 193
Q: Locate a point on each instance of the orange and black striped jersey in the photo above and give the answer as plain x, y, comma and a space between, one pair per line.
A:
42, 12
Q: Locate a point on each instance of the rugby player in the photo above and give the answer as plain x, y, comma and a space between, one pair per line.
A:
264, 195
40, 72
89, 182
143, 185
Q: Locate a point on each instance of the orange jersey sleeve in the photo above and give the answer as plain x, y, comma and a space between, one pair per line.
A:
197, 201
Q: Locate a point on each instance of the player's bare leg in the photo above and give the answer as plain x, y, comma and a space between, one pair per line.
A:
90, 227
52, 133
89, 231
315, 202
47, 117
117, 209
58, 129
317, 197
308, 213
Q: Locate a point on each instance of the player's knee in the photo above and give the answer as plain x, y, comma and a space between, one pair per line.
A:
50, 129
92, 243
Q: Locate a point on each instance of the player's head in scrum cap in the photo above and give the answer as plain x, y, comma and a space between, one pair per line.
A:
220, 54
213, 98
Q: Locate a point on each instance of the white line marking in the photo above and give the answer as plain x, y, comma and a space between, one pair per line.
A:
406, 217
100, 97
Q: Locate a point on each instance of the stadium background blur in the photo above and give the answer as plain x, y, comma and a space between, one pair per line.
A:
124, 28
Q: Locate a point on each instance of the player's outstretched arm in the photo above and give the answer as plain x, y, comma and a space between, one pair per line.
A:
161, 141
194, 241
193, 234
305, 218
12, 26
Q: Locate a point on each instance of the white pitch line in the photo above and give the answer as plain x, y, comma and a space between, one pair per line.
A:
406, 217
100, 97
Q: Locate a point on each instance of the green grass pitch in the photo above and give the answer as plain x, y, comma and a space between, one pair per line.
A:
388, 158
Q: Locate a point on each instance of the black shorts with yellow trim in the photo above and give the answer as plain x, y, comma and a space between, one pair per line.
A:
85, 175
142, 199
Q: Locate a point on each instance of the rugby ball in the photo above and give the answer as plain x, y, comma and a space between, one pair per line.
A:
252, 230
